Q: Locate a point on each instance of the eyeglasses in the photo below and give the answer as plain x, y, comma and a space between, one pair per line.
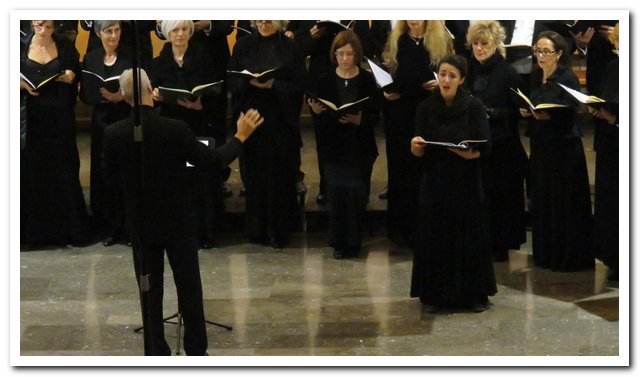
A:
545, 53
345, 53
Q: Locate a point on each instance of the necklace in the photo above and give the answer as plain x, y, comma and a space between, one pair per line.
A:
417, 40
348, 76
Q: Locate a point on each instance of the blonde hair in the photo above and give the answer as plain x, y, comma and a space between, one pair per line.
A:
614, 37
490, 31
279, 25
436, 40
166, 26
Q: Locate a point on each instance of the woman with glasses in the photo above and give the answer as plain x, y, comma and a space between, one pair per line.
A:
559, 186
412, 53
267, 165
108, 60
452, 267
490, 79
184, 65
350, 148
53, 206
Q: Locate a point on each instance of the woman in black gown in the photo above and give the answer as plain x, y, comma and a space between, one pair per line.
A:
350, 147
54, 210
267, 163
184, 65
452, 266
412, 54
561, 217
606, 144
490, 79
108, 60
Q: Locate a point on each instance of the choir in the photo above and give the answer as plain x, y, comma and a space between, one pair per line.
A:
456, 209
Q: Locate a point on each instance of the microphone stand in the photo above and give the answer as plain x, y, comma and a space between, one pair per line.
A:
141, 257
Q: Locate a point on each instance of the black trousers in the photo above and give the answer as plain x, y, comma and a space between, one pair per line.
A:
183, 259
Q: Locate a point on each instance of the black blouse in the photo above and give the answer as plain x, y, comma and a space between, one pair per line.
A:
347, 141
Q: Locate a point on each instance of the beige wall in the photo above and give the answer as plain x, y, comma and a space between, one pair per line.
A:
83, 39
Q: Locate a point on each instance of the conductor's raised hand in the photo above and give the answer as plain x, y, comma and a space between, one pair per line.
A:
247, 123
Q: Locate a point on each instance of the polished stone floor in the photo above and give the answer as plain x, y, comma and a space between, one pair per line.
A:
301, 301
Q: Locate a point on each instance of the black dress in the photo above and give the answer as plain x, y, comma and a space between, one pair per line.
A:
267, 165
452, 266
198, 68
348, 156
106, 201
53, 209
606, 145
561, 217
506, 165
403, 169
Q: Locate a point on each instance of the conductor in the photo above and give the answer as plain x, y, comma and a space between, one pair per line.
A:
159, 213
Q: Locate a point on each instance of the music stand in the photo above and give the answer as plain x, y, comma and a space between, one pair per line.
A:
179, 323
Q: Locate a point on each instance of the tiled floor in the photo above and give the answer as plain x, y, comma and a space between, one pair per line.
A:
301, 301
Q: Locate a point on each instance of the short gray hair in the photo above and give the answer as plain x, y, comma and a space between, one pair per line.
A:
126, 83
279, 25
101, 25
167, 25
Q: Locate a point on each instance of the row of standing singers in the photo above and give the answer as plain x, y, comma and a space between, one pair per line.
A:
557, 179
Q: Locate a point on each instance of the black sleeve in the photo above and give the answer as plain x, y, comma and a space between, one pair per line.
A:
202, 156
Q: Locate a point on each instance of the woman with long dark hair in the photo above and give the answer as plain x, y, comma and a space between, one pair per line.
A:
452, 266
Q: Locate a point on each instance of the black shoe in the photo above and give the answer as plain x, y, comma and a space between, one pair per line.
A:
301, 188
339, 254
243, 192
479, 307
226, 190
321, 199
383, 195
109, 241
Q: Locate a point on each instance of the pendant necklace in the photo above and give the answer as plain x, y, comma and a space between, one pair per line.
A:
346, 83
417, 40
